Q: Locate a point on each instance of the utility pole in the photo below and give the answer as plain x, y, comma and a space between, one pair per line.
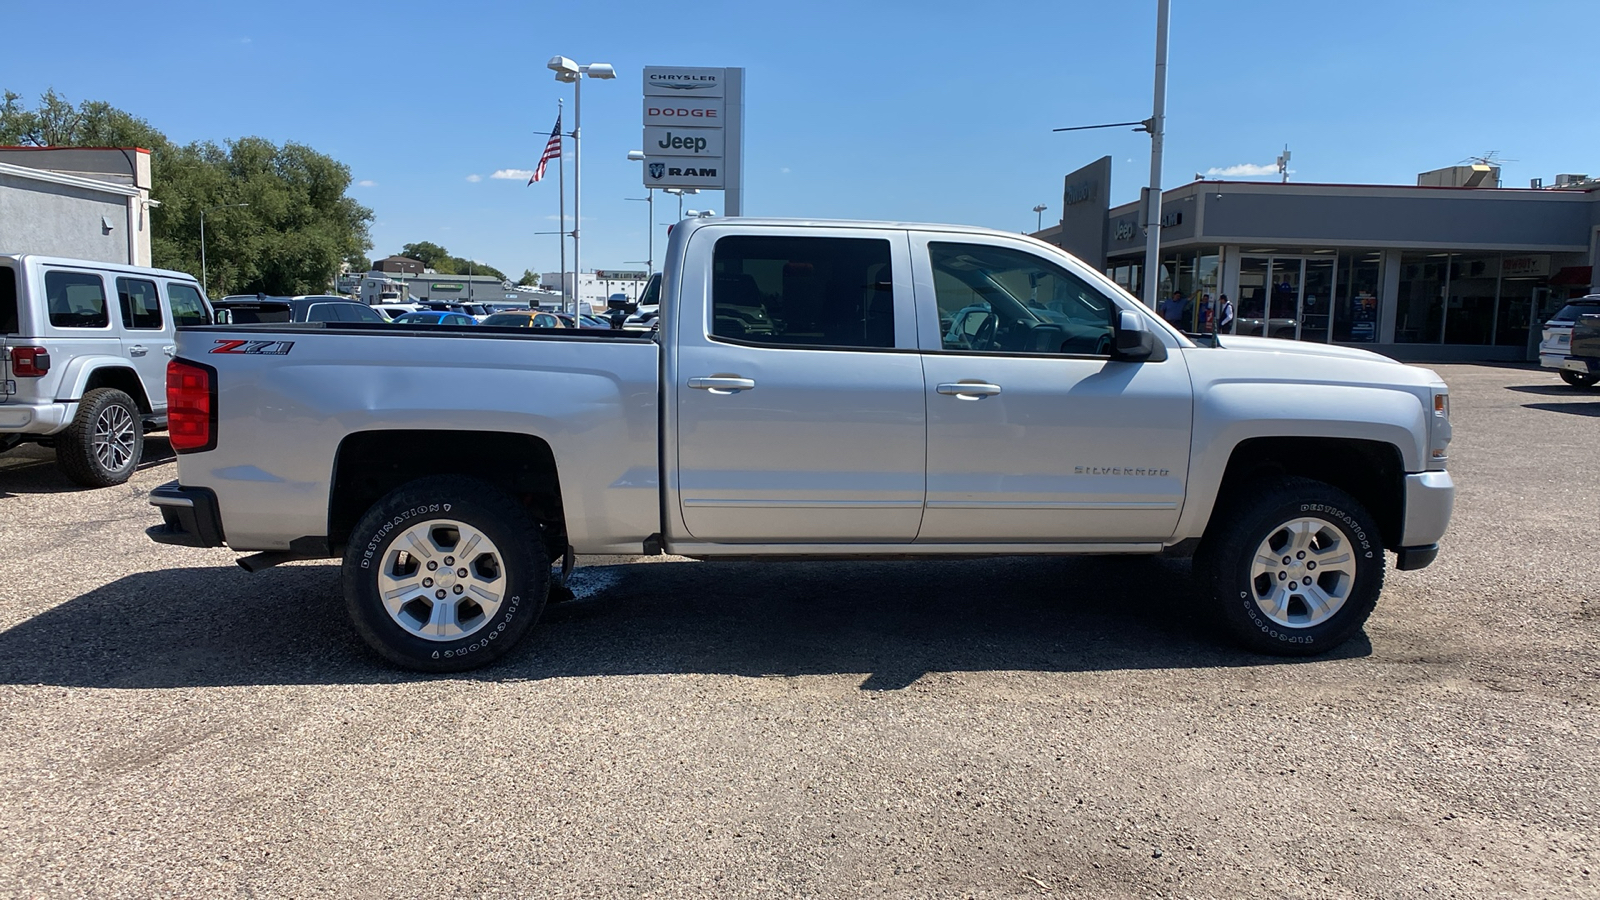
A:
1158, 127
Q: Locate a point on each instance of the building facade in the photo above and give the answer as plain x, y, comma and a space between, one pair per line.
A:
594, 288
1414, 272
82, 203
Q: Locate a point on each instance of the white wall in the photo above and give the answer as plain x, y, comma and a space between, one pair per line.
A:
64, 220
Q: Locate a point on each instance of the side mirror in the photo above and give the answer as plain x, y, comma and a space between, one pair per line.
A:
224, 317
1134, 341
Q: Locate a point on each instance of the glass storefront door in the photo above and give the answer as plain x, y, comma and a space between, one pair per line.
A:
1288, 297
1316, 300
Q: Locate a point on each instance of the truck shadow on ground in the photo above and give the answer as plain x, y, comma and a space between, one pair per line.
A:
31, 469
891, 621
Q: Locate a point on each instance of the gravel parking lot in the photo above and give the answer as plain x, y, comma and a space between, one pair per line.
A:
999, 728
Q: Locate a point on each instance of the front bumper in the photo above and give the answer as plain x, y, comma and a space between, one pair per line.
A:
1430, 497
189, 516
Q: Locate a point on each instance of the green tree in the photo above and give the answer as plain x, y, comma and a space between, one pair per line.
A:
290, 239
430, 255
529, 277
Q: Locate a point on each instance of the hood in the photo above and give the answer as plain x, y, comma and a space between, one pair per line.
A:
1239, 342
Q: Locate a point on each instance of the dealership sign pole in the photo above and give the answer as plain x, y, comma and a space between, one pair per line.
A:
694, 131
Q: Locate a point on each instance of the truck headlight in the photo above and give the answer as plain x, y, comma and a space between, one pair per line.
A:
1439, 431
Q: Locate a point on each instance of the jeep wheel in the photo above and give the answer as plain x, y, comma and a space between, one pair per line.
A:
445, 574
1295, 568
1580, 379
103, 444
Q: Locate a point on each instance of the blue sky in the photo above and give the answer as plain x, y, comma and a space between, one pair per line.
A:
927, 111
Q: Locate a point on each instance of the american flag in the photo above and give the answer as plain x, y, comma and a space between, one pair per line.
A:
552, 150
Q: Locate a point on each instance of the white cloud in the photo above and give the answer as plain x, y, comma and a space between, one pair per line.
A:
1244, 169
474, 178
513, 174
366, 183
784, 170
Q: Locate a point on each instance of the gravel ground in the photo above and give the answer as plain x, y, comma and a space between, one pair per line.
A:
1000, 728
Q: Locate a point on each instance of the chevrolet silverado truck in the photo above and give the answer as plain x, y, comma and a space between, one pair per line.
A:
808, 395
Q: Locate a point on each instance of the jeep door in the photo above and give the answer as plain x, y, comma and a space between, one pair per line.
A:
797, 389
1035, 433
147, 335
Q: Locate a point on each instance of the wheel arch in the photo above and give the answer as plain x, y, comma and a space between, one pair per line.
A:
84, 374
1372, 472
370, 464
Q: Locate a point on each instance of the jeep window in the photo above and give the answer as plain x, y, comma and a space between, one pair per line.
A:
805, 291
8, 301
999, 300
141, 306
187, 307
76, 300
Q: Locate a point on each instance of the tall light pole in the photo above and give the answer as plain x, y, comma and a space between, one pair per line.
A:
203, 281
570, 72
1158, 129
1039, 219
650, 198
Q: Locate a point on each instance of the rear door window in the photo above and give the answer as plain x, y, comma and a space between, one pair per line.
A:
805, 291
324, 312
76, 300
9, 323
141, 305
187, 306
355, 312
258, 315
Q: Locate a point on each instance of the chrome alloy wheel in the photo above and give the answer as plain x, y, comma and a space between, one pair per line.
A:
113, 437
442, 580
1303, 572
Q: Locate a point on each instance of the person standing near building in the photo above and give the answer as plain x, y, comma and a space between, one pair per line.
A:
1172, 310
1224, 314
1208, 314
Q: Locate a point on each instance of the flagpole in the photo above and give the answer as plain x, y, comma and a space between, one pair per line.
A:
561, 176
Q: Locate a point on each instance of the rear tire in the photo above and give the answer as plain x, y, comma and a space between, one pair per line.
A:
103, 444
1295, 567
445, 574
1580, 379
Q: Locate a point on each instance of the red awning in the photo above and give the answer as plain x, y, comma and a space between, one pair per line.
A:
1573, 275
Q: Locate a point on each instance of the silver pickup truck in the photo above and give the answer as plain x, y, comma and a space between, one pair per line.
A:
815, 390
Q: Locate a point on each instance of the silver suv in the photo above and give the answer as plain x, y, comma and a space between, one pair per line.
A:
83, 358
1555, 347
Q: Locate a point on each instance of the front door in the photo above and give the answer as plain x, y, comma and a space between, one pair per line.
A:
798, 390
1034, 433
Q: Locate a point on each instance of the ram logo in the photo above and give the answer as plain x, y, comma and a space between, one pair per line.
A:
658, 169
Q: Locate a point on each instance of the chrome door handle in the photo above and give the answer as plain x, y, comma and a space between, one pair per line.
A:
138, 350
722, 384
969, 390
170, 351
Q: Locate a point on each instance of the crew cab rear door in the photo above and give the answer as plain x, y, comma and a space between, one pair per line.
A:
1035, 434
798, 391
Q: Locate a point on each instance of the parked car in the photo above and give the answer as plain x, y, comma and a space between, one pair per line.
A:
83, 358
1285, 469
645, 317
1556, 344
584, 320
478, 311
525, 318
260, 309
392, 311
435, 317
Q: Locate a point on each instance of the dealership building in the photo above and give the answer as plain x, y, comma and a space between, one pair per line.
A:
1452, 268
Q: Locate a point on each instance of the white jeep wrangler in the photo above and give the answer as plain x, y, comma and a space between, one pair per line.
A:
83, 358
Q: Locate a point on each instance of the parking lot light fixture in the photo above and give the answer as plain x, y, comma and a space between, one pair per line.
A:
569, 72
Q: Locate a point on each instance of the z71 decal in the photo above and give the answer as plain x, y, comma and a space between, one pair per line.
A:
259, 348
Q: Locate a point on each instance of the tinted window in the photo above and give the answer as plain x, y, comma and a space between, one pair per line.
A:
994, 299
508, 319
1572, 311
835, 292
187, 307
355, 312
259, 315
141, 306
323, 312
76, 300
8, 300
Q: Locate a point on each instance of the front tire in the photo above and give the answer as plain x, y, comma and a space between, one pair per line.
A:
1580, 379
103, 444
1295, 568
445, 574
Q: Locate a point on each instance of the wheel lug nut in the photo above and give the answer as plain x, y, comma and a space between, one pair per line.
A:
427, 582
458, 589
1287, 560
439, 593
1293, 586
1300, 555
432, 565
461, 573
449, 560
1310, 566
1282, 575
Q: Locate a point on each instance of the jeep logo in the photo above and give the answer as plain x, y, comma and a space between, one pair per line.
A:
678, 142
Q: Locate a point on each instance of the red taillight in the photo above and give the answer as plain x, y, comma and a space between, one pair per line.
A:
191, 406
29, 362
